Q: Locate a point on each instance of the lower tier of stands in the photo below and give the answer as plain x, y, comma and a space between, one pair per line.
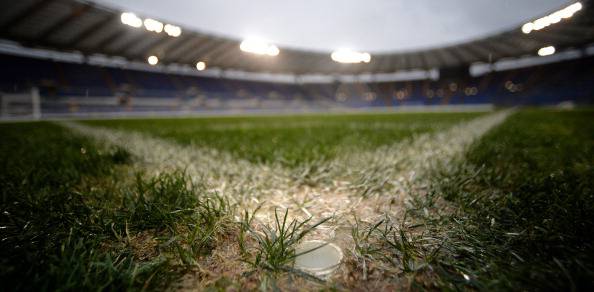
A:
79, 88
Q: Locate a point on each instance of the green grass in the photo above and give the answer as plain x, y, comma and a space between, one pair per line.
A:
513, 214
274, 252
275, 249
292, 140
70, 216
539, 211
522, 209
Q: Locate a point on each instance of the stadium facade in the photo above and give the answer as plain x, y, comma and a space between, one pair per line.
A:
77, 57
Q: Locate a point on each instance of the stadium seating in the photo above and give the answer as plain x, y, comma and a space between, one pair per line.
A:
70, 87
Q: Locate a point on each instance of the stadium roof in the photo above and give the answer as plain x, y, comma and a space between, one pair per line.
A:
373, 26
71, 25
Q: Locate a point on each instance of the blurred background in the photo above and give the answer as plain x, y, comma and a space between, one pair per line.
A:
120, 58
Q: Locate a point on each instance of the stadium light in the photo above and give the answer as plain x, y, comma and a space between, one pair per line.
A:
150, 24
173, 30
153, 25
528, 27
131, 19
552, 18
546, 51
259, 47
350, 57
200, 66
153, 60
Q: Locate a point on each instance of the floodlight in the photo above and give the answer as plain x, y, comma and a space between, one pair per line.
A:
546, 51
349, 57
541, 23
173, 30
153, 60
552, 18
131, 19
153, 25
259, 47
528, 27
200, 65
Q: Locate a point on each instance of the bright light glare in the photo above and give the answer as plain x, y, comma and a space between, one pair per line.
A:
153, 60
552, 18
172, 30
153, 25
201, 66
131, 19
546, 51
528, 27
150, 24
259, 47
350, 57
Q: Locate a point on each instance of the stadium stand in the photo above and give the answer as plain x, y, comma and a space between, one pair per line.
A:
82, 88
34, 32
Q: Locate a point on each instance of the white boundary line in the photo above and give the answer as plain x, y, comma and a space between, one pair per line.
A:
232, 177
388, 172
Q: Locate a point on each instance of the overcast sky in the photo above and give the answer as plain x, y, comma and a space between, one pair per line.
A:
325, 25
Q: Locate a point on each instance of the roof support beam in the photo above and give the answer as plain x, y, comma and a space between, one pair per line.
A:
122, 49
212, 54
248, 62
384, 64
162, 45
405, 61
462, 55
307, 64
570, 30
349, 69
197, 51
144, 48
93, 29
446, 58
103, 45
20, 17
521, 44
415, 61
481, 54
178, 53
183, 47
76, 13
499, 48
552, 37
222, 55
239, 61
300, 63
489, 54
235, 59
424, 61
311, 62
392, 64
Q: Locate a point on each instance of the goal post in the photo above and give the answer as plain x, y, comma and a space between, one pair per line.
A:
21, 105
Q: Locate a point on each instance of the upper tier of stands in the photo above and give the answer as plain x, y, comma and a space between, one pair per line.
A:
65, 87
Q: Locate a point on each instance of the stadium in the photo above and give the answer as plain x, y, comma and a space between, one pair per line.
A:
161, 146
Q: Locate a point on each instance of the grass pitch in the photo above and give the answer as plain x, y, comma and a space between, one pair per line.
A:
292, 140
422, 201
